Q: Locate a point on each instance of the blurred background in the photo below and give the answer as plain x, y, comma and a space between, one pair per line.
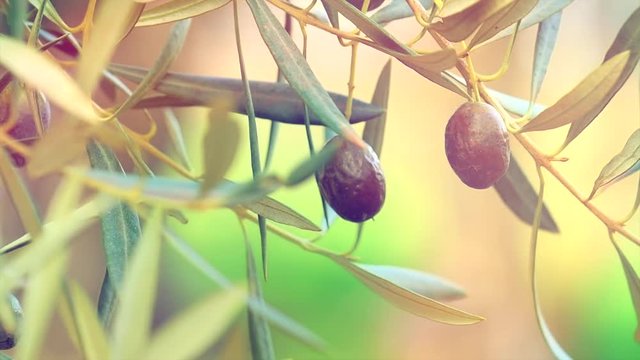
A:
431, 221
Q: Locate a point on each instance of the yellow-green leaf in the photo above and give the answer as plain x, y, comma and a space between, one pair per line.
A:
461, 17
504, 18
587, 99
92, 337
220, 144
634, 285
177, 10
622, 165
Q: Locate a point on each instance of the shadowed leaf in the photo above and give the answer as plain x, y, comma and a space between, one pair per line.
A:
50, 12
178, 10
545, 43
259, 332
408, 300
620, 166
460, 18
504, 18
373, 132
396, 10
518, 194
226, 306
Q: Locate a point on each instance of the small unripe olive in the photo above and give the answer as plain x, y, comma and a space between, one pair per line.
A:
477, 145
352, 182
24, 129
373, 4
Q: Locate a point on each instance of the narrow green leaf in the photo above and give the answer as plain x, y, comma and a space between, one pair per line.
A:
297, 71
419, 282
634, 285
518, 194
396, 10
620, 166
50, 78
201, 334
17, 15
408, 300
280, 213
50, 12
517, 105
20, 196
332, 14
177, 138
170, 52
132, 323
504, 18
91, 334
120, 226
259, 332
373, 132
628, 37
219, 146
107, 302
309, 167
275, 317
178, 10
585, 101
460, 18
273, 101
543, 10
545, 43
109, 27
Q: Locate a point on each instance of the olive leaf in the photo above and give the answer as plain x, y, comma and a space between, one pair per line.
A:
178, 10
259, 331
16, 16
419, 282
634, 285
219, 146
545, 43
226, 306
132, 323
50, 78
297, 72
406, 299
396, 10
273, 101
542, 11
332, 14
177, 138
373, 132
620, 166
460, 18
92, 337
309, 167
50, 12
586, 100
504, 18
517, 105
518, 194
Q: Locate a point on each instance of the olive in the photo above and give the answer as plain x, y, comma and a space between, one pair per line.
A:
477, 145
8, 339
352, 181
24, 129
373, 4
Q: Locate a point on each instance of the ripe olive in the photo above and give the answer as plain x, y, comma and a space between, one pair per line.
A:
352, 182
477, 145
373, 4
24, 129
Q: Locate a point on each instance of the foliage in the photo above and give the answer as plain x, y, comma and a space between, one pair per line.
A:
132, 203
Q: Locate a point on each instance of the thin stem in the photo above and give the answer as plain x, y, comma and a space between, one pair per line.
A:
351, 84
505, 62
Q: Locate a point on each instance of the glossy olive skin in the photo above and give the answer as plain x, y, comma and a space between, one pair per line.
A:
373, 4
24, 129
352, 182
477, 145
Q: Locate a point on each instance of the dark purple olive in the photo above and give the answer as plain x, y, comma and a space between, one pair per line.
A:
24, 129
8, 339
352, 182
373, 4
477, 145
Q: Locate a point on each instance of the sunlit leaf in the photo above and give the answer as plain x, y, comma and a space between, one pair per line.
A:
408, 300
545, 43
273, 101
373, 132
92, 336
178, 10
460, 18
219, 146
585, 101
225, 306
275, 317
280, 213
259, 331
132, 323
170, 52
542, 11
49, 78
620, 166
634, 285
518, 194
20, 196
419, 282
396, 10
504, 18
